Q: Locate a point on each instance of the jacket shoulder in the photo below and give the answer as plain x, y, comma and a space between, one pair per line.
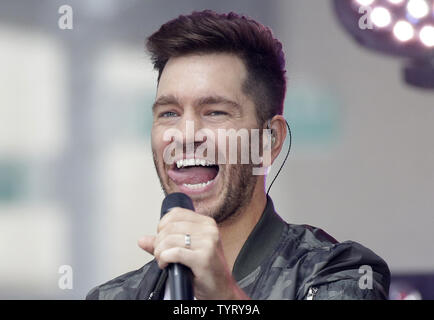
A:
310, 237
124, 286
344, 270
340, 270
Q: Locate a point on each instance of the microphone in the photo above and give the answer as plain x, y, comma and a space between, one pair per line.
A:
180, 276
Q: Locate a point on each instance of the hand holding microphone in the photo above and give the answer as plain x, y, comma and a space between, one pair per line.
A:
201, 252
180, 276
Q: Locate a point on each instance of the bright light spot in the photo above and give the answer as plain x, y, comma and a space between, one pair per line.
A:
396, 1
381, 17
415, 295
403, 31
417, 8
426, 35
365, 2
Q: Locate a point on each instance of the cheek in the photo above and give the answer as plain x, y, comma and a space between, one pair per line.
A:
233, 150
157, 142
153, 138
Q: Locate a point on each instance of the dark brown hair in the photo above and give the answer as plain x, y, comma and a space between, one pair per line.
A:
209, 32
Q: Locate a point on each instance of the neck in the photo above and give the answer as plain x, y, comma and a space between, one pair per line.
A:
235, 233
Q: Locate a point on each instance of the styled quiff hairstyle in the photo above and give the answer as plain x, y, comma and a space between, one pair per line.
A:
210, 32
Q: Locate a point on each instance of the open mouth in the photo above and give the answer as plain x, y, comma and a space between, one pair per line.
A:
193, 174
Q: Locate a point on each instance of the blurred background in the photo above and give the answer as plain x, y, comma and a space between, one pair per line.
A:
77, 181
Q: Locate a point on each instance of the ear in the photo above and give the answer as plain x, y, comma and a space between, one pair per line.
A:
278, 131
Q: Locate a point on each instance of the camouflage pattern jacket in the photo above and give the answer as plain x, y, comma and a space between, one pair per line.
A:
278, 261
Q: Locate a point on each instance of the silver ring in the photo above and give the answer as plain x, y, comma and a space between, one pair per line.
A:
187, 241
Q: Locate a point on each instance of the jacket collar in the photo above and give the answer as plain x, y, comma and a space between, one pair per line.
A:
261, 242
259, 245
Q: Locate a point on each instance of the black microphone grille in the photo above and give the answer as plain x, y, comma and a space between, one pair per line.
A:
176, 199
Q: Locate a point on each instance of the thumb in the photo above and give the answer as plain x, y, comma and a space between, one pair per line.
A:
147, 243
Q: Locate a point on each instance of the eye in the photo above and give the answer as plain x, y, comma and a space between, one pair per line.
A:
168, 114
217, 113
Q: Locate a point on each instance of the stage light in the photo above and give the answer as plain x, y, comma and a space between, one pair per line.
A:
402, 28
381, 17
403, 31
395, 1
418, 8
365, 2
426, 36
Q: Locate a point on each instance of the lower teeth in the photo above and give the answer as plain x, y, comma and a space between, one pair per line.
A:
198, 185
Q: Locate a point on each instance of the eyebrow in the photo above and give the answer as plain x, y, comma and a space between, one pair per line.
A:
165, 100
207, 100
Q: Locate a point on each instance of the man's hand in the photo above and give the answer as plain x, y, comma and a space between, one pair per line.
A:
205, 258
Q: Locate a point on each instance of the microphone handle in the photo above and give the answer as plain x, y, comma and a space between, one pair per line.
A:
180, 281
180, 276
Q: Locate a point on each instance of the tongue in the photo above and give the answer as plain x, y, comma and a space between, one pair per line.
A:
193, 175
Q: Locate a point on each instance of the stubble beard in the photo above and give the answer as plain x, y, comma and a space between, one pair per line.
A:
238, 191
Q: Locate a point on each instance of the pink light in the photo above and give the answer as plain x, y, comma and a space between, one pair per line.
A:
403, 31
396, 1
381, 17
426, 36
365, 2
417, 8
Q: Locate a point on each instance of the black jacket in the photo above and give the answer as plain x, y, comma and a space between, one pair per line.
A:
279, 261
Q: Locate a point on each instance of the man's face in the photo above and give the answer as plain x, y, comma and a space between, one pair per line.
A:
206, 91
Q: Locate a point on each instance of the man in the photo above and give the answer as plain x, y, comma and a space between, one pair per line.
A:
222, 72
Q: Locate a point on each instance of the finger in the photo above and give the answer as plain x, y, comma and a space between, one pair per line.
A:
179, 227
196, 231
147, 243
177, 255
174, 240
180, 214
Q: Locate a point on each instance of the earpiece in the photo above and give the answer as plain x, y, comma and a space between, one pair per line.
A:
273, 137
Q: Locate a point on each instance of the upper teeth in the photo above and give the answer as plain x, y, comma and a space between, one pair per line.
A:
193, 162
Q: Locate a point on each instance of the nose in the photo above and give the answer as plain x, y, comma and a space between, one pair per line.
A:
190, 124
